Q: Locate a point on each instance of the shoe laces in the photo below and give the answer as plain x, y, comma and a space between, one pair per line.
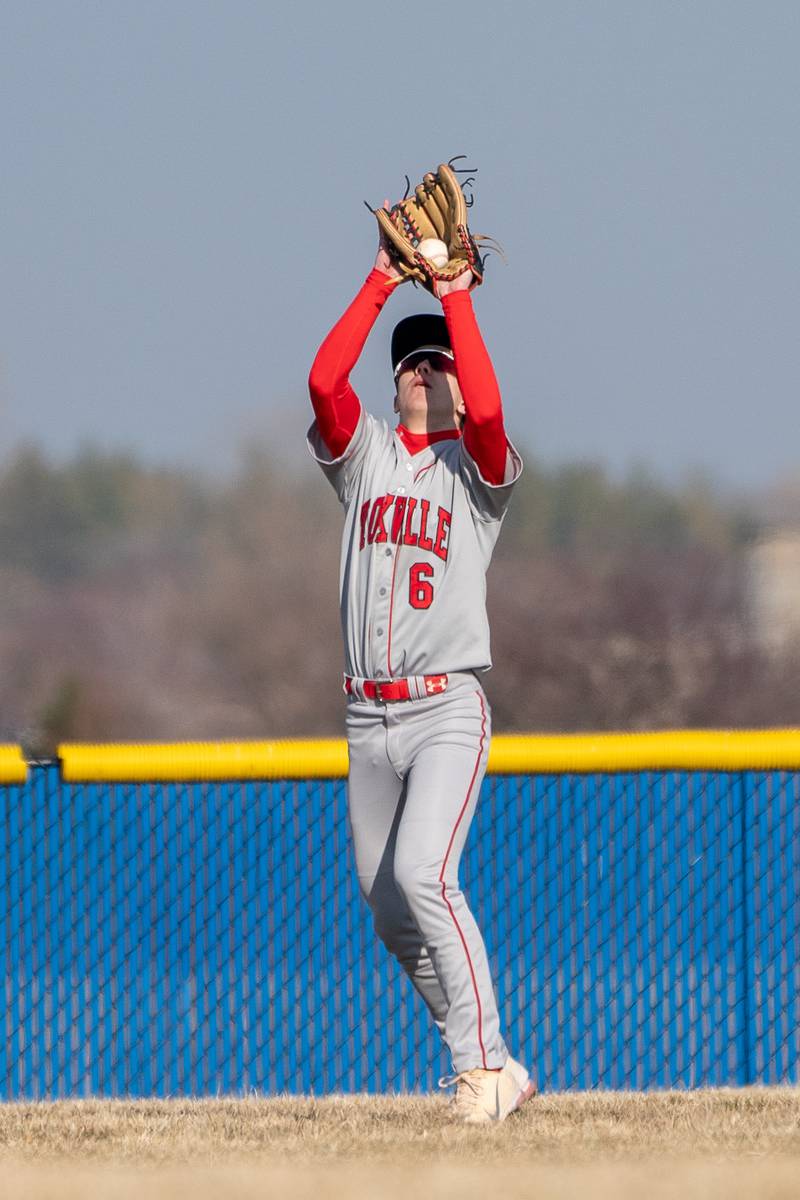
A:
469, 1088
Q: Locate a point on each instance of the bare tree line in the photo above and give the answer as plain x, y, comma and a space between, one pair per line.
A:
157, 604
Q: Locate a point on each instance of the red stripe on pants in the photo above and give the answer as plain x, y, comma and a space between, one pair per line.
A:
444, 885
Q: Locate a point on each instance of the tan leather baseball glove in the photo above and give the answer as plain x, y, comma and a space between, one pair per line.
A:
436, 209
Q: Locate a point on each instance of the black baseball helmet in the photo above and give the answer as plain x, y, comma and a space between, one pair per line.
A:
423, 331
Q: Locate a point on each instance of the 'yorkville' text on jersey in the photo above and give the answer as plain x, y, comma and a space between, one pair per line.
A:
405, 521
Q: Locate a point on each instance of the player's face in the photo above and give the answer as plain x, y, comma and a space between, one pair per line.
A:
428, 396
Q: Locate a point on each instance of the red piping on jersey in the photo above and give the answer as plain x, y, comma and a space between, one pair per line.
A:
391, 614
422, 471
444, 884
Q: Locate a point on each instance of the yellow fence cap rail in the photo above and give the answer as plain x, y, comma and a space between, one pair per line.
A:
141, 761
678, 749
13, 768
510, 754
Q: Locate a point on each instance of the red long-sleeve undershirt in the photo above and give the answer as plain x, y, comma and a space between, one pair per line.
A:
337, 407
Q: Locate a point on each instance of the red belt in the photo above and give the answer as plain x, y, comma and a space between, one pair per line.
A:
396, 689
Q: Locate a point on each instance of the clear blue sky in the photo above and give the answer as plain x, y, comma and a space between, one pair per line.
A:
638, 160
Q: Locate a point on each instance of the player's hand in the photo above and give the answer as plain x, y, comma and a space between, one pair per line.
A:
383, 259
461, 283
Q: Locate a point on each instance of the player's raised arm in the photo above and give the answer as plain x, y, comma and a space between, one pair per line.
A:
336, 405
484, 431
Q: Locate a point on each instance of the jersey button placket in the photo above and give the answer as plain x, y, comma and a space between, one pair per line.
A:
384, 576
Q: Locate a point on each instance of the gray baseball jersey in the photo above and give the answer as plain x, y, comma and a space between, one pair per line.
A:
419, 534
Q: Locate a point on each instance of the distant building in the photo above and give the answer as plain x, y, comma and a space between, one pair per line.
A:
774, 589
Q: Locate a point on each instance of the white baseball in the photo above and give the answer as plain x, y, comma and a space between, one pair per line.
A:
434, 250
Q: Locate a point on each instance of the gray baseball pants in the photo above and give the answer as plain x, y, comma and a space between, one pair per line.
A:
416, 768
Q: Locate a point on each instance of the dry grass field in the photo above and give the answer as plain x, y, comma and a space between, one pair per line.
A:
595, 1146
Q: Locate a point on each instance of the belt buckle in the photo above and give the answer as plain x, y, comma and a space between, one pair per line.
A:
378, 687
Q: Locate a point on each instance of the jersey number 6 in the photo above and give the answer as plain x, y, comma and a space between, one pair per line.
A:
420, 592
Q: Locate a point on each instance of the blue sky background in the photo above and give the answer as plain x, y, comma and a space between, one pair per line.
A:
181, 218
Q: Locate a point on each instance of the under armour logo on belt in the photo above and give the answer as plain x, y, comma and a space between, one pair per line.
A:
435, 683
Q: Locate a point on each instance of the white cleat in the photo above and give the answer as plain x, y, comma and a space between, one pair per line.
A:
483, 1097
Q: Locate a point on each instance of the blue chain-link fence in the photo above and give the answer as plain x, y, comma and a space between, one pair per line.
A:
172, 939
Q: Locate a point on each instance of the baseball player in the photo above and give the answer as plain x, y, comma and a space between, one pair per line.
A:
423, 506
